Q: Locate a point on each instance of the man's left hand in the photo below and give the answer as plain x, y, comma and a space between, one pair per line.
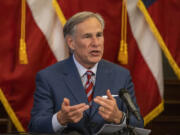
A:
108, 108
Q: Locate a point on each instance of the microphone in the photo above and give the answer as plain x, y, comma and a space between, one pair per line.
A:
125, 96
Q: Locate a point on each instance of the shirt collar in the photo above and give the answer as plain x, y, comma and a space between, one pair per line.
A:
82, 70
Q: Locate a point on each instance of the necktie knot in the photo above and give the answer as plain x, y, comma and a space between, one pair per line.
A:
89, 74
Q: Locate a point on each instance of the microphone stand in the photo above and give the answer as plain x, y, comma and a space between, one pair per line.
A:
129, 130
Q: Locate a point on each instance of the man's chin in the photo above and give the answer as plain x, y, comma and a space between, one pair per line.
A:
95, 60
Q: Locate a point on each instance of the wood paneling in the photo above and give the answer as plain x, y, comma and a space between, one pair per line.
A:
168, 122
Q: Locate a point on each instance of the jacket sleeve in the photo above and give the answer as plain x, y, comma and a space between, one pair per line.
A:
43, 108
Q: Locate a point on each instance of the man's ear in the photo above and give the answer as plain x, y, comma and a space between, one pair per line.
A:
70, 42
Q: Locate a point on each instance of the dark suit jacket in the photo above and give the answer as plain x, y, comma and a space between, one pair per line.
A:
63, 80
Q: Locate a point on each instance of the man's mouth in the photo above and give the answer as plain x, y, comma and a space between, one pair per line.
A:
95, 53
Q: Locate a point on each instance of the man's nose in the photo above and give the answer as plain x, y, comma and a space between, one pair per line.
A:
95, 41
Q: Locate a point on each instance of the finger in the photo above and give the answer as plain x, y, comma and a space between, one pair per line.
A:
108, 104
103, 114
101, 109
78, 111
66, 102
65, 105
76, 107
108, 93
82, 109
76, 118
103, 102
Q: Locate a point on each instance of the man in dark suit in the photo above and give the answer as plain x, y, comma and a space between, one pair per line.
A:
80, 93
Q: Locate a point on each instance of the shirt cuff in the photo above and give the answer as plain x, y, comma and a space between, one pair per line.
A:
57, 127
123, 120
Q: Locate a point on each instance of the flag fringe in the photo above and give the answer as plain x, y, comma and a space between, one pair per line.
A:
59, 12
22, 49
154, 113
157, 35
123, 54
10, 112
22, 52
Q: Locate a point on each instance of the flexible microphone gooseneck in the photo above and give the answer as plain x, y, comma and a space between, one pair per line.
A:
125, 96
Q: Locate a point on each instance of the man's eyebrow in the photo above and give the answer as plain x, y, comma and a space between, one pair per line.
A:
100, 31
90, 34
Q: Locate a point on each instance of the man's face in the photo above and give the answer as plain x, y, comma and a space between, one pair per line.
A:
87, 42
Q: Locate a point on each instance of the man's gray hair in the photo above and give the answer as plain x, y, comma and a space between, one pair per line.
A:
70, 26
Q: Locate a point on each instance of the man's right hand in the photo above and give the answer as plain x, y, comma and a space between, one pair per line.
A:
71, 114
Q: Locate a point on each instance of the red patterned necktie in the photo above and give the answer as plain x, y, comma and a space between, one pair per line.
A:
89, 86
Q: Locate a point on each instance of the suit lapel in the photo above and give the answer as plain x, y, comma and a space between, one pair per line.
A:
102, 82
73, 81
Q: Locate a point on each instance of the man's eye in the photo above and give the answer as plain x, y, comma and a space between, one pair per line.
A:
99, 34
87, 36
